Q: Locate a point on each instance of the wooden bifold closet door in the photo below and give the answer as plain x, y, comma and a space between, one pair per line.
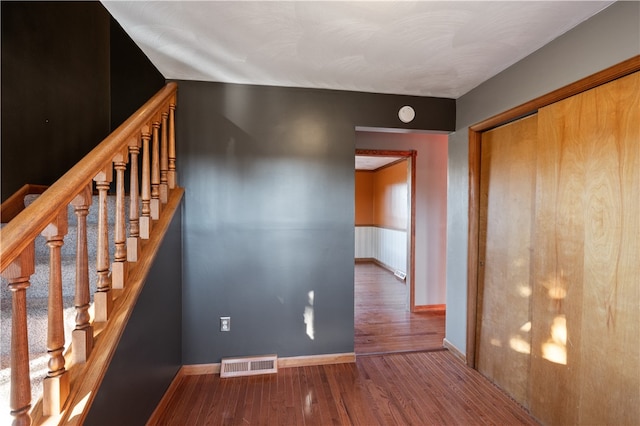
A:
559, 258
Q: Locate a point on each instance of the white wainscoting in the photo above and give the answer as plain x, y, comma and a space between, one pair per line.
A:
387, 246
364, 242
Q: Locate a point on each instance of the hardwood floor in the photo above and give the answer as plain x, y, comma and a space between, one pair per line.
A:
416, 388
382, 322
420, 384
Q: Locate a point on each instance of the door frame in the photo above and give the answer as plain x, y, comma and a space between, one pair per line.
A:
410, 155
475, 140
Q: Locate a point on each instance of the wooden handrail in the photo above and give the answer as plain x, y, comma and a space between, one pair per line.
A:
26, 226
47, 216
15, 203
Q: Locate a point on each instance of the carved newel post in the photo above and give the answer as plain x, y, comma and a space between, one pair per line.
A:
82, 335
156, 206
164, 159
103, 299
119, 269
171, 174
145, 218
56, 384
18, 274
133, 241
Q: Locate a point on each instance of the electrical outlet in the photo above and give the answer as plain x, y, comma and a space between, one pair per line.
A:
225, 323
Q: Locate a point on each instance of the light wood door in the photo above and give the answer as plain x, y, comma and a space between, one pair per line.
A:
559, 258
586, 313
507, 195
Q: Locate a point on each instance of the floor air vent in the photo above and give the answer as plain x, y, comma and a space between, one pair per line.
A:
248, 366
401, 275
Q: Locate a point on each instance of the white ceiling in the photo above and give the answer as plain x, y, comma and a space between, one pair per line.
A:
424, 48
367, 162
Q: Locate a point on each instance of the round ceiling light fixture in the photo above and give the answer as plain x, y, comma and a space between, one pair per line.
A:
406, 114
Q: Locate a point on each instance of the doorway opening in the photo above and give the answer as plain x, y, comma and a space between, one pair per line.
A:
385, 182
386, 318
380, 327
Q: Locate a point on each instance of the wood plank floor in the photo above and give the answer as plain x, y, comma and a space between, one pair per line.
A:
417, 388
402, 388
382, 322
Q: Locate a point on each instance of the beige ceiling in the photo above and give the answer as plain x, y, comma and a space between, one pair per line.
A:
424, 48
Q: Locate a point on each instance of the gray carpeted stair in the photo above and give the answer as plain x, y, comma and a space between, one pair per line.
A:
37, 297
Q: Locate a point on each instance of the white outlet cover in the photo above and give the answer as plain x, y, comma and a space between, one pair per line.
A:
225, 323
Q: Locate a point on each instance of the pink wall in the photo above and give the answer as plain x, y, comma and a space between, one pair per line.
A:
430, 206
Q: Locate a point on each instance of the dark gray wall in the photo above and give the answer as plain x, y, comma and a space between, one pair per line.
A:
269, 213
55, 88
149, 353
70, 75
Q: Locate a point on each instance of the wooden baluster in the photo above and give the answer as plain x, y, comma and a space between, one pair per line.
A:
164, 160
155, 172
119, 268
56, 384
171, 176
82, 335
145, 219
103, 300
18, 274
133, 242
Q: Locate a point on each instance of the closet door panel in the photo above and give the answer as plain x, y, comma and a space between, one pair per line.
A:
558, 266
611, 297
586, 306
507, 189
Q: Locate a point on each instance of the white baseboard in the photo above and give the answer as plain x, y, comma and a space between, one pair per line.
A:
457, 352
304, 361
285, 362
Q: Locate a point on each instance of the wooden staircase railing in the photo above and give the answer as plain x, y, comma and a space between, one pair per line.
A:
47, 216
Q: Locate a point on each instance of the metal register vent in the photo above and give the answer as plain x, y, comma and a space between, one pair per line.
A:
248, 366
